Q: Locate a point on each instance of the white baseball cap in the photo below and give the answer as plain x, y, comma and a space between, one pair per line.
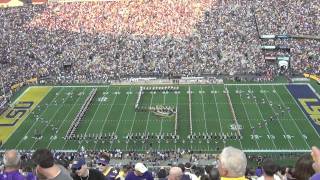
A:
140, 167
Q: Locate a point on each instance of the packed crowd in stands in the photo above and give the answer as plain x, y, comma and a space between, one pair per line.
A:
98, 41
231, 163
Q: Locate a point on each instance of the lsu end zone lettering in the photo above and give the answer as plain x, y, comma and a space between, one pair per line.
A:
14, 114
23, 106
308, 101
312, 107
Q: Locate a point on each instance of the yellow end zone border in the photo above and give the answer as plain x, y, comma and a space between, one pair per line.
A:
20, 109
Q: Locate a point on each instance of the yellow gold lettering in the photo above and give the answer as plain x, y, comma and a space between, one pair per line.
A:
316, 118
310, 109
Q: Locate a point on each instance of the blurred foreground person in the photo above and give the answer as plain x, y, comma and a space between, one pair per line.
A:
46, 168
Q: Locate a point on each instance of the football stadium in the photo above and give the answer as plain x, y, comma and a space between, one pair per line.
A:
150, 89
253, 117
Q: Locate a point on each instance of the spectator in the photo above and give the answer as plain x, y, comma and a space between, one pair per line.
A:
184, 176
214, 174
223, 42
188, 171
303, 169
315, 153
140, 172
199, 171
250, 173
11, 161
80, 171
289, 173
269, 170
232, 164
162, 174
175, 173
46, 167
259, 171
108, 171
123, 173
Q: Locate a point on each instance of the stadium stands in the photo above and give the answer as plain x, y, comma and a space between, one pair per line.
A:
95, 42
212, 167
223, 42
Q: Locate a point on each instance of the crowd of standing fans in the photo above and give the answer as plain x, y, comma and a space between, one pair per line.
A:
98, 41
230, 164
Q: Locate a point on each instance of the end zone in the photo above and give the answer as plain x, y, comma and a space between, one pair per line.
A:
308, 102
14, 116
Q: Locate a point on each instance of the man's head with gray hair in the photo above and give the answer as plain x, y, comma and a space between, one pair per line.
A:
175, 173
11, 160
232, 162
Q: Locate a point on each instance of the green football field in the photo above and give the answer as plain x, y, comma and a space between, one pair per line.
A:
253, 117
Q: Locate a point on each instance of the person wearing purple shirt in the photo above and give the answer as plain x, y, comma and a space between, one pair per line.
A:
30, 176
108, 171
315, 153
11, 161
140, 173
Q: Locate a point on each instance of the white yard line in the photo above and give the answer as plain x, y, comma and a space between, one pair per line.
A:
105, 120
190, 110
52, 117
203, 111
233, 112
282, 102
176, 118
277, 119
125, 104
160, 133
219, 118
164, 98
91, 120
62, 124
148, 115
42, 112
204, 114
164, 101
263, 118
134, 119
94, 115
224, 86
247, 119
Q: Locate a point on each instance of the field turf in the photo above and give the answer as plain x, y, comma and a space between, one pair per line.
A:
214, 108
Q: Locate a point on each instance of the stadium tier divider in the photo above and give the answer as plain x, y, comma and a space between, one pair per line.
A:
75, 123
